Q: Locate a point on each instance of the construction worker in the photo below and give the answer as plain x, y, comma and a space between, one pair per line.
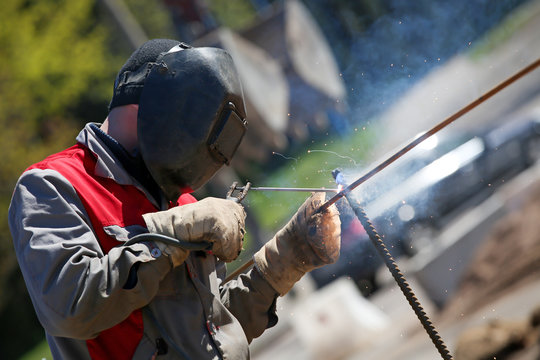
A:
120, 261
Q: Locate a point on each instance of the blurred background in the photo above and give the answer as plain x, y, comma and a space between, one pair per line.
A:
328, 84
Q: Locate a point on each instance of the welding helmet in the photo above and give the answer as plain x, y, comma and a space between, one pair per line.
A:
191, 117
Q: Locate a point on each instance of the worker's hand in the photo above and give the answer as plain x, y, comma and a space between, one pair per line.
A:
218, 221
308, 241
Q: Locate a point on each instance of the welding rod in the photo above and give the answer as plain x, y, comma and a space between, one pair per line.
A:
266, 188
429, 133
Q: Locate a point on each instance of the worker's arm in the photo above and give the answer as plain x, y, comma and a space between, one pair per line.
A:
221, 222
76, 289
251, 300
309, 240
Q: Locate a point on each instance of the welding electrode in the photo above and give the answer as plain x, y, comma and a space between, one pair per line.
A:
266, 188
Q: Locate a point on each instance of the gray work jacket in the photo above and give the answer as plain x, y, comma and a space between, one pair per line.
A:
78, 291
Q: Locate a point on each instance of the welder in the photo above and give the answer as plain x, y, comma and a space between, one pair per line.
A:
177, 115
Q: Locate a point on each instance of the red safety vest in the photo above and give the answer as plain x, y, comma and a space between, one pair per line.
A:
107, 203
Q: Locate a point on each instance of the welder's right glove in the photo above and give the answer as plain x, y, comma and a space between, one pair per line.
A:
308, 241
219, 221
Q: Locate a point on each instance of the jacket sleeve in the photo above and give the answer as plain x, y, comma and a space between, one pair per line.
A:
251, 300
76, 289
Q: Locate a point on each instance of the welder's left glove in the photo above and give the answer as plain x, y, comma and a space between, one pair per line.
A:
308, 241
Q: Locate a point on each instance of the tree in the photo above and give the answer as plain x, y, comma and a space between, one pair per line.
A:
54, 68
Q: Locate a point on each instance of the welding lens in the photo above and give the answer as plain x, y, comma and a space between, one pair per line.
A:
227, 135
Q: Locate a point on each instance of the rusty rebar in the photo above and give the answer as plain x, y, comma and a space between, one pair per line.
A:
398, 277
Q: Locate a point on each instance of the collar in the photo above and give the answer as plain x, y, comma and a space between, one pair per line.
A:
115, 163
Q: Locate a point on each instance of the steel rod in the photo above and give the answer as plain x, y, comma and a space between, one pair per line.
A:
266, 188
430, 133
399, 277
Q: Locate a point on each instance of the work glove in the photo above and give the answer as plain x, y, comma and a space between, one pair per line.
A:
308, 241
218, 221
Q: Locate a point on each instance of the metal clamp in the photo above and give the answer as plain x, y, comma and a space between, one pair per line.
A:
241, 194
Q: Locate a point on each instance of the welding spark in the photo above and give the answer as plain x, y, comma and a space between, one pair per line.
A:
334, 153
285, 157
339, 179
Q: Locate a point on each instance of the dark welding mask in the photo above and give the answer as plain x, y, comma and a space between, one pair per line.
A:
191, 118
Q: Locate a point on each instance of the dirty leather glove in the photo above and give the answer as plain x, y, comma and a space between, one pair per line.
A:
307, 242
218, 221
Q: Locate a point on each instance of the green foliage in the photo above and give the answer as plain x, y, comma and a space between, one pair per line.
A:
232, 14
53, 55
52, 59
153, 17
52, 51
40, 352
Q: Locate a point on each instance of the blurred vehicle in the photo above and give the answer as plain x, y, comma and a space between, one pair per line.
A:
413, 199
